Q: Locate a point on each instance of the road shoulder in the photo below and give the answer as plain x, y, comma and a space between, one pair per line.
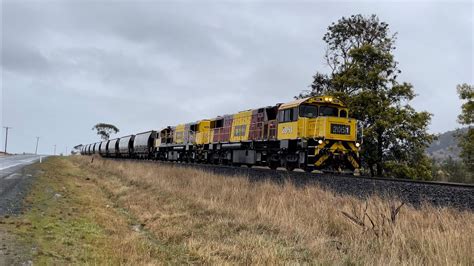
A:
14, 186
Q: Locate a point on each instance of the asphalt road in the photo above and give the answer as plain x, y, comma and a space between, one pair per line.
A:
14, 182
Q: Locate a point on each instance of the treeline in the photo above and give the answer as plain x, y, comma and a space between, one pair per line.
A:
460, 170
364, 74
451, 170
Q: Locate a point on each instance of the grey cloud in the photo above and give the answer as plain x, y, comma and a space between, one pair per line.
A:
142, 65
23, 58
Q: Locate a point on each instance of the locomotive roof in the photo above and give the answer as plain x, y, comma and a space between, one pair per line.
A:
316, 99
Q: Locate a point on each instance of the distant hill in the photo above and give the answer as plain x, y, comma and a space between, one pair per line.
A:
446, 145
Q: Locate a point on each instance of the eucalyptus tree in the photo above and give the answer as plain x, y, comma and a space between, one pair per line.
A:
105, 130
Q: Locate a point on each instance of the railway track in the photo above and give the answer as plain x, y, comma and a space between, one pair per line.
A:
414, 192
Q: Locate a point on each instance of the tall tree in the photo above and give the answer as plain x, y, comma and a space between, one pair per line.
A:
466, 141
105, 130
365, 75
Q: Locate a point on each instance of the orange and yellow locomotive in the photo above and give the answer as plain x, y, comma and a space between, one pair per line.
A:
311, 133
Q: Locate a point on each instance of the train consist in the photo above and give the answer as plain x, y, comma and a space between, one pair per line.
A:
313, 133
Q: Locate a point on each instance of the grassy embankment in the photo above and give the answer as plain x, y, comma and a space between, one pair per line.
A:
141, 213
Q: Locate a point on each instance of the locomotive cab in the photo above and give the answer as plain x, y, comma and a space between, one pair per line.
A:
316, 133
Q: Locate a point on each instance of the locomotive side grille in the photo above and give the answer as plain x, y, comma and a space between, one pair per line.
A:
340, 129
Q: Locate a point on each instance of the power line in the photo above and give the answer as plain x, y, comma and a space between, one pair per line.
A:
6, 137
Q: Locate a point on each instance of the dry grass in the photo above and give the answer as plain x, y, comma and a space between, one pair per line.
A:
217, 219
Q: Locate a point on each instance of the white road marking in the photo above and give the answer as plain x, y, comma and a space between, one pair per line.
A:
3, 168
24, 161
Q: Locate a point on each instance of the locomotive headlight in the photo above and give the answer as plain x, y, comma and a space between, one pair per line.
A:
357, 144
320, 141
328, 99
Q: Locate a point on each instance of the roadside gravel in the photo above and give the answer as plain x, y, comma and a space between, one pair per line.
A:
15, 185
13, 190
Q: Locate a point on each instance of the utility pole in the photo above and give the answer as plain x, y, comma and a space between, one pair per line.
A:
54, 149
37, 141
66, 152
6, 138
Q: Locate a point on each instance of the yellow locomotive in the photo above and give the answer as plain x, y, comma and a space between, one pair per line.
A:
310, 133
321, 133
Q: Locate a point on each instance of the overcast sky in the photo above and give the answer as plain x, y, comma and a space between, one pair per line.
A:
67, 65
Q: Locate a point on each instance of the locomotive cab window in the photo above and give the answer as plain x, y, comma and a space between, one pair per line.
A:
280, 115
328, 111
288, 115
293, 114
343, 113
310, 111
217, 123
